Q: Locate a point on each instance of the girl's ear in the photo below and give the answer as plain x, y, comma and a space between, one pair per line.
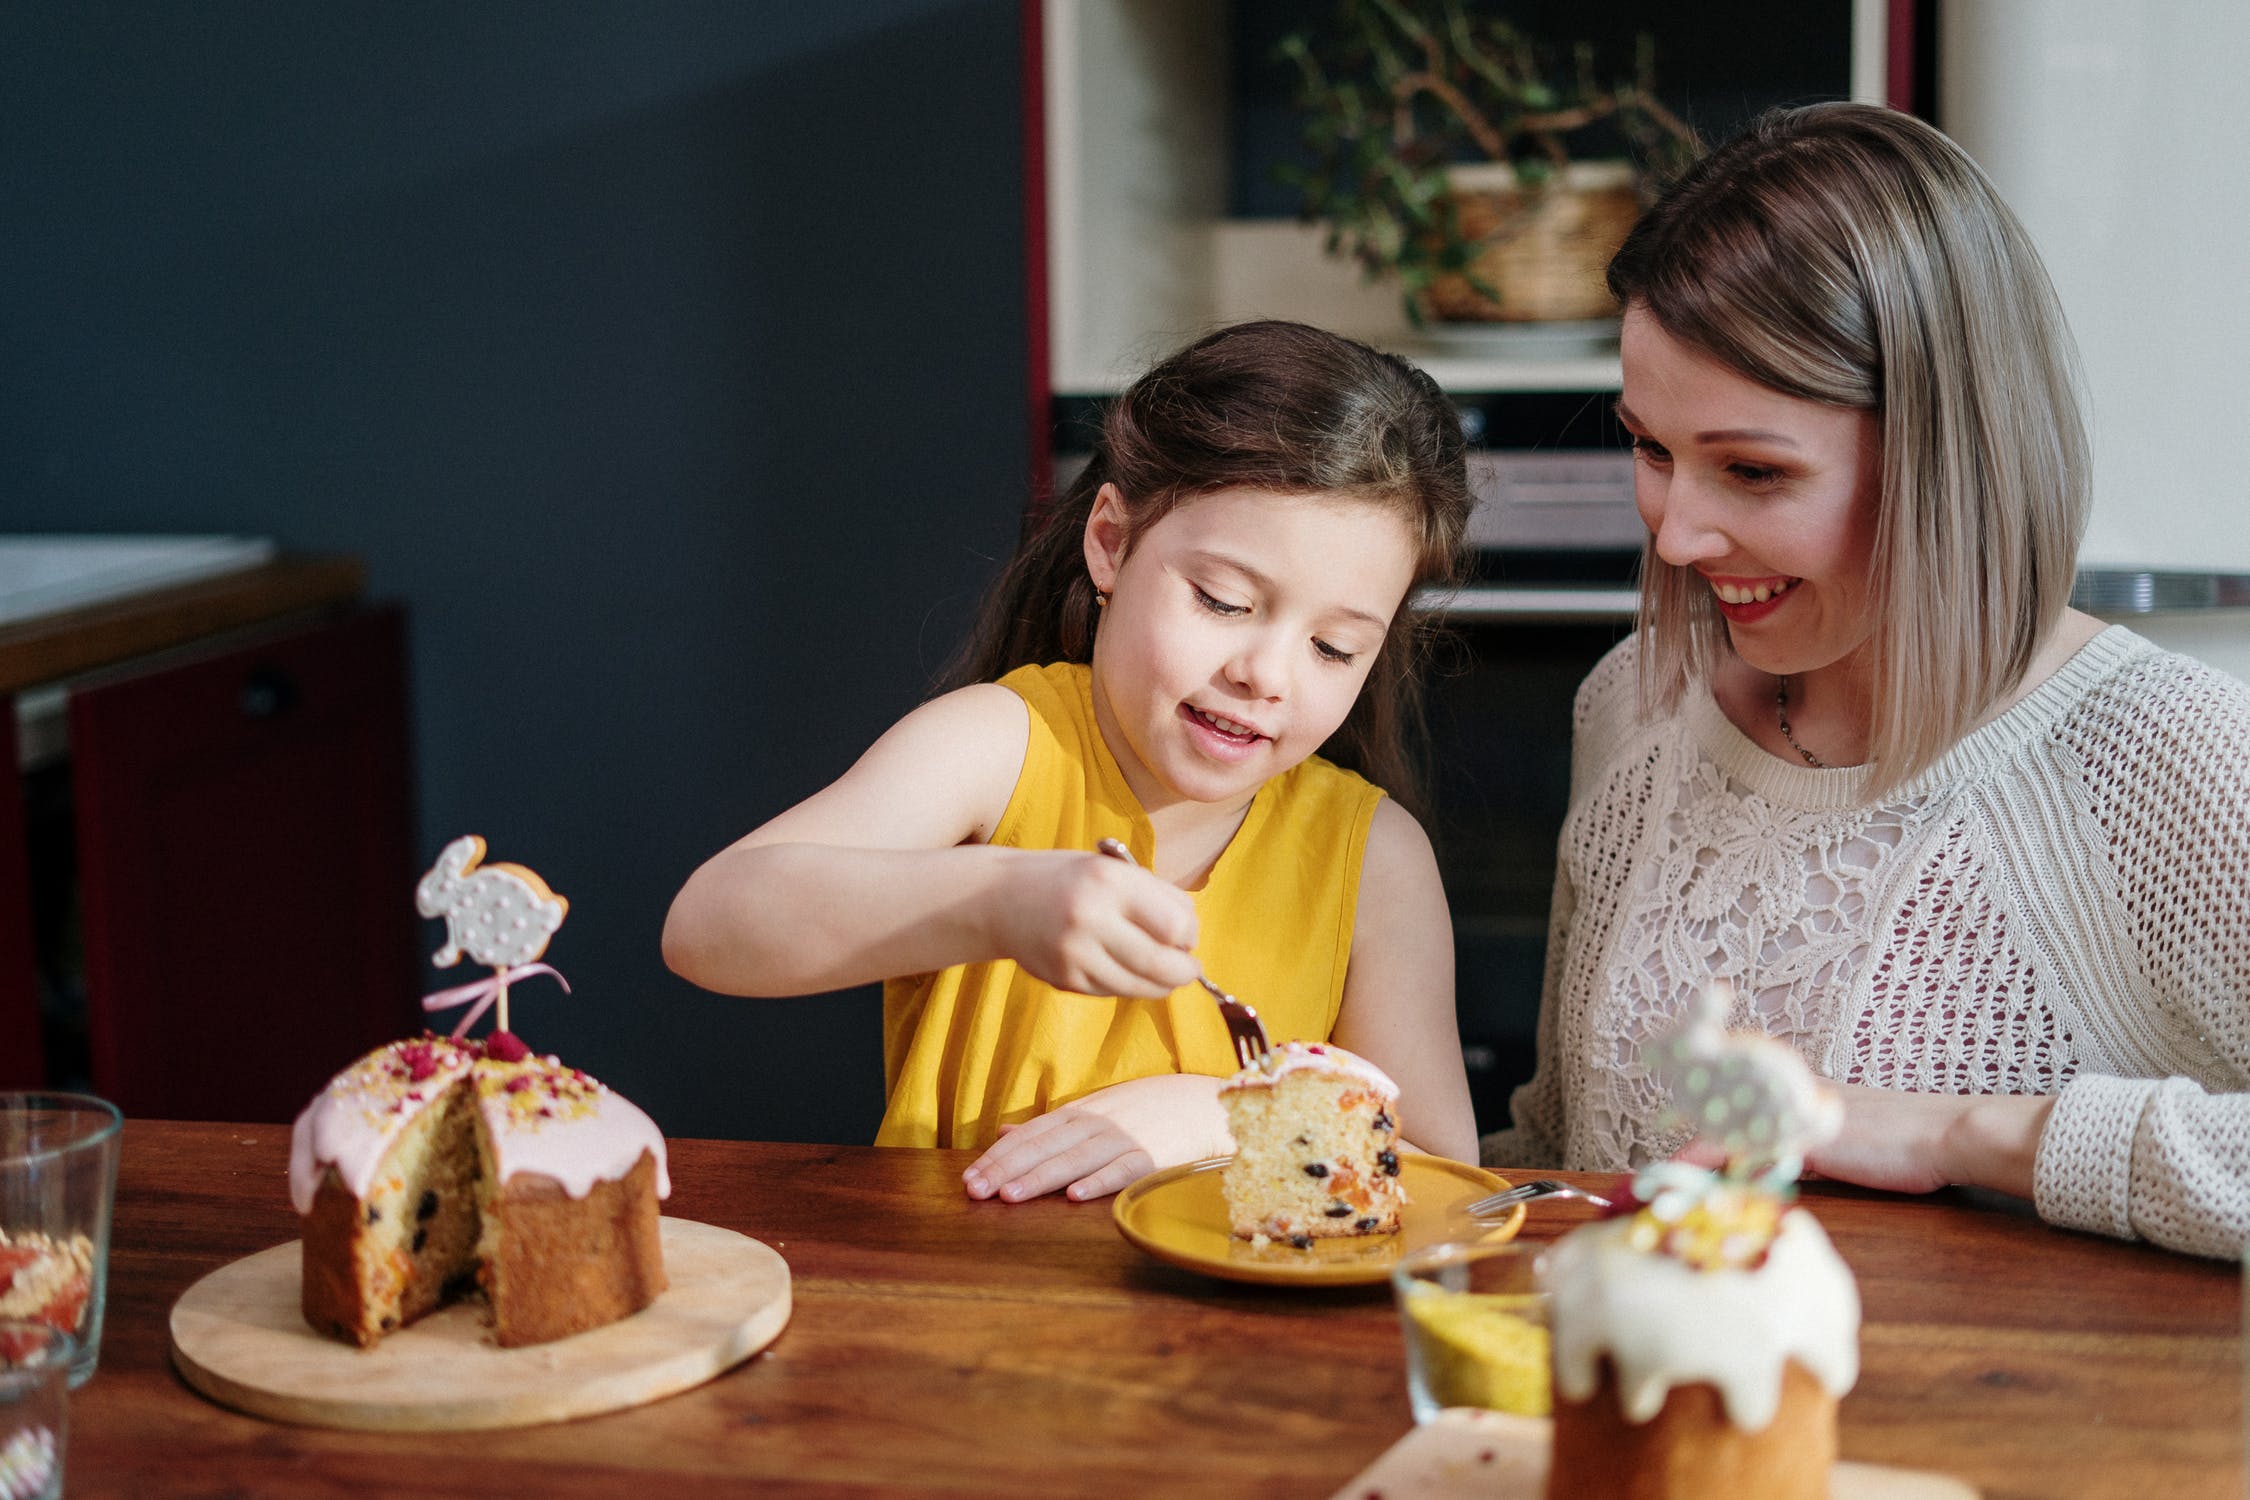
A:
1105, 537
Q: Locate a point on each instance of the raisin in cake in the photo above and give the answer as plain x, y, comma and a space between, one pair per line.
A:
1316, 1146
430, 1168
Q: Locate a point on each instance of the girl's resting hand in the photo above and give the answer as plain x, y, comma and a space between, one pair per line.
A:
1096, 926
1105, 1141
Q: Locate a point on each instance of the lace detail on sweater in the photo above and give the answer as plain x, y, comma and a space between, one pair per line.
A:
2062, 905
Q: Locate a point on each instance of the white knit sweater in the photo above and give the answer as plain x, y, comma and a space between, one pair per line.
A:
2060, 905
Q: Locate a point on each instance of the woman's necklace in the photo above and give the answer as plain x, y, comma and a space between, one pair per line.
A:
1781, 714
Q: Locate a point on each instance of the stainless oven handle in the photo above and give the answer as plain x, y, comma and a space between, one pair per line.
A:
2108, 592
1532, 603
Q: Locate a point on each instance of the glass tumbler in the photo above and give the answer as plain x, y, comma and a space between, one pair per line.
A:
1477, 1326
35, 1361
58, 1181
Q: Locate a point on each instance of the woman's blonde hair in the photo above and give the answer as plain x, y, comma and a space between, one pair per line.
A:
1853, 255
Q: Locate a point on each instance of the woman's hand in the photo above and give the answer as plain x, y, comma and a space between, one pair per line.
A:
1095, 926
1917, 1143
1105, 1141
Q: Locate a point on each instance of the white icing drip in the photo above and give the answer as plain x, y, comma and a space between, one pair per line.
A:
1311, 1057
577, 1147
351, 1124
1664, 1324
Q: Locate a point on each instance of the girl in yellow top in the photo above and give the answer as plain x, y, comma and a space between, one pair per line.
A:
1225, 592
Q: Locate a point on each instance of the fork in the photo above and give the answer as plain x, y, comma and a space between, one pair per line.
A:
1524, 1192
1243, 1026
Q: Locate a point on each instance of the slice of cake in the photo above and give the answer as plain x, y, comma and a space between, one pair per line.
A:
1316, 1146
430, 1168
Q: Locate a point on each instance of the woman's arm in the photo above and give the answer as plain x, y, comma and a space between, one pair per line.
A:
2152, 1138
887, 872
1602, 715
2158, 1159
1916, 1143
1398, 995
2139, 905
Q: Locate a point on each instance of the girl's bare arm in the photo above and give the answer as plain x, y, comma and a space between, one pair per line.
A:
886, 872
1398, 997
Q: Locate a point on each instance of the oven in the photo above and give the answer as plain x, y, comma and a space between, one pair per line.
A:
1556, 549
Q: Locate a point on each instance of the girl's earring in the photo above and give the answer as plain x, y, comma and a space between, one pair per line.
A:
1101, 600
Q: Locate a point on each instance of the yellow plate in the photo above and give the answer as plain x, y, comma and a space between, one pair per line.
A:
1179, 1216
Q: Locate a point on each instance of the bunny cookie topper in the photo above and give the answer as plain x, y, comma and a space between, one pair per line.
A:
499, 914
1747, 1094
1756, 1101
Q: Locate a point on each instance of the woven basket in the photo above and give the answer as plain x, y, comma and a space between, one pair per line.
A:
1546, 249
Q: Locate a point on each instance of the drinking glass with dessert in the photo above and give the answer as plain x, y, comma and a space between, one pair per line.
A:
58, 1183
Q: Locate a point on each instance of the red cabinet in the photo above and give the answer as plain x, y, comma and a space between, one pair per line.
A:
243, 824
20, 1064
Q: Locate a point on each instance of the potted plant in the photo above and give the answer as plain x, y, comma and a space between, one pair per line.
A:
1491, 175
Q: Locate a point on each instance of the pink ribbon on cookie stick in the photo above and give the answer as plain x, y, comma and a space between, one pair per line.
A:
484, 992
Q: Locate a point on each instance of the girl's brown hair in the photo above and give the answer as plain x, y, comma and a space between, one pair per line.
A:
1275, 406
1853, 255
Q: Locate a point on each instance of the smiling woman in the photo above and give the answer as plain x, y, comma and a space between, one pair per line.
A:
1221, 600
1771, 502
1975, 858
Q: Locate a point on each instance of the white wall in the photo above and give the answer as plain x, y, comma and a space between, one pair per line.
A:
2118, 131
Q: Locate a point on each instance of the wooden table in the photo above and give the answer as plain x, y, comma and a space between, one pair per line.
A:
943, 1346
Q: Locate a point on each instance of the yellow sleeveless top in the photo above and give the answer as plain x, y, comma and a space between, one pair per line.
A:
977, 1046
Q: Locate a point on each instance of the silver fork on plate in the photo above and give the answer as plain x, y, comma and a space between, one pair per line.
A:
1243, 1026
1525, 1192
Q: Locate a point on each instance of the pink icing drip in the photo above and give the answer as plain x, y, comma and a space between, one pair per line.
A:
577, 1145
352, 1123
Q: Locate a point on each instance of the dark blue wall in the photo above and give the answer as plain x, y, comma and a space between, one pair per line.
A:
665, 359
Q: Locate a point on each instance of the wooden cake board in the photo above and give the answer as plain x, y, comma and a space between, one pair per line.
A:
239, 1337
1495, 1456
